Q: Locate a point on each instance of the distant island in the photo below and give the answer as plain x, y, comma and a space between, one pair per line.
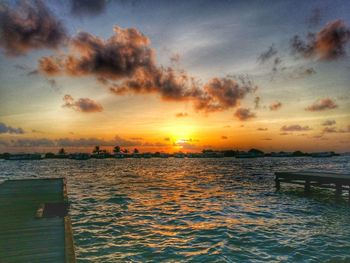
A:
120, 153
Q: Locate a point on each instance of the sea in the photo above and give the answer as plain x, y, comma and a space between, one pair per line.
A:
198, 210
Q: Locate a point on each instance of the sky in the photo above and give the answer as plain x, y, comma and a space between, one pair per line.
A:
174, 75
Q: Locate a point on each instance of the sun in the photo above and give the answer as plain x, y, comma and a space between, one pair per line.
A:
179, 133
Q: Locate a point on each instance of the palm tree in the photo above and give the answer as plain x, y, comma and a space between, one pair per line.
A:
96, 150
62, 151
116, 149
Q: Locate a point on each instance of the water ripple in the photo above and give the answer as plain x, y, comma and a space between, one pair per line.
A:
197, 210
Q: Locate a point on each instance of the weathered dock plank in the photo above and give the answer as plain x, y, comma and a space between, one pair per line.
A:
25, 237
336, 181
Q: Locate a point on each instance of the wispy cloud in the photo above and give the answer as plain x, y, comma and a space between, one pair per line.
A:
275, 106
295, 127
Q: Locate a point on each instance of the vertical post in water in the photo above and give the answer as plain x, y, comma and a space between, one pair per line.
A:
277, 183
307, 186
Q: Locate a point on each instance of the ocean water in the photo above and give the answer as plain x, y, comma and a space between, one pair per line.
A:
197, 210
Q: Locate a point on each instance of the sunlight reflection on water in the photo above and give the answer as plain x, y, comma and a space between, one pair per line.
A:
197, 210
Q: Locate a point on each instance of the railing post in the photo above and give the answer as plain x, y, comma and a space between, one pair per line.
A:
277, 183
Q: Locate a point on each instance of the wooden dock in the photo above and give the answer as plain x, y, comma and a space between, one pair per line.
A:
34, 221
339, 182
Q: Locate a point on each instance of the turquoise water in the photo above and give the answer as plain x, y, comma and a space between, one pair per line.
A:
197, 210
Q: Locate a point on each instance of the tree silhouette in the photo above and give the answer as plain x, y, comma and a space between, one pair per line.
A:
62, 151
97, 149
116, 149
136, 150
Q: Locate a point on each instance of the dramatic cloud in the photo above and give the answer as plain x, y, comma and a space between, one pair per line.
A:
329, 123
83, 104
118, 57
328, 44
8, 129
268, 54
181, 114
125, 64
88, 7
244, 114
29, 25
295, 127
275, 106
322, 104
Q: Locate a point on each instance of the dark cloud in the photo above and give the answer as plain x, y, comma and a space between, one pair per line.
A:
29, 25
83, 104
329, 123
167, 139
261, 129
328, 44
88, 7
295, 127
181, 114
244, 114
322, 104
118, 57
8, 129
275, 106
268, 54
224, 137
125, 63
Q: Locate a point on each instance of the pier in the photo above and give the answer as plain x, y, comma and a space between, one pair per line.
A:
339, 182
34, 221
